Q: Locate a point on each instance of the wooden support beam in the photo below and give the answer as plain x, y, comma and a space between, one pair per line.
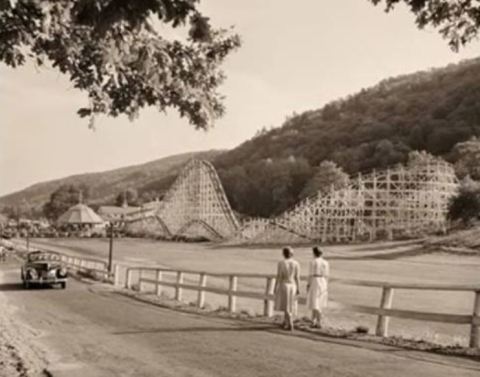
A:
268, 303
128, 280
158, 287
178, 289
475, 327
383, 320
232, 299
202, 283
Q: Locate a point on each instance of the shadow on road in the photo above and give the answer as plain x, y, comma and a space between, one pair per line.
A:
195, 329
9, 287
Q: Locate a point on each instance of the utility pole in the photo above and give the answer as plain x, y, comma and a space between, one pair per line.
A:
110, 248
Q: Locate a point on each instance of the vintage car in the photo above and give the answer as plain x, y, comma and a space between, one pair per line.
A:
43, 268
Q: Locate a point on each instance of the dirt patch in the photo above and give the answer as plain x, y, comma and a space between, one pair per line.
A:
461, 242
19, 354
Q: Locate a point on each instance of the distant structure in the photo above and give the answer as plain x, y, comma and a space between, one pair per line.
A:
400, 202
117, 214
195, 207
390, 204
81, 217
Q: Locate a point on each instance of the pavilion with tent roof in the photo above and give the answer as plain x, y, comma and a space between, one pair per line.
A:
81, 217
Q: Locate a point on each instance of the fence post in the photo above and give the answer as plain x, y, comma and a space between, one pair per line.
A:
128, 282
178, 290
232, 299
140, 275
385, 303
201, 293
268, 303
158, 287
116, 275
475, 328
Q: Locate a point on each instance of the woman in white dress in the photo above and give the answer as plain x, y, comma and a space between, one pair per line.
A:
287, 286
317, 286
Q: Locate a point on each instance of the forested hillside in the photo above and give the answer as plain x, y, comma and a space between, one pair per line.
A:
372, 129
150, 179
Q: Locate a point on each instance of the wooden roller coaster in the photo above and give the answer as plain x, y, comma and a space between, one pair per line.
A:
400, 202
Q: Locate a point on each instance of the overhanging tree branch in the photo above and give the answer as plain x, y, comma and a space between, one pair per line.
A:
110, 50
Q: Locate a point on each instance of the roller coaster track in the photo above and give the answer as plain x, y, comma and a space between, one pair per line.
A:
399, 202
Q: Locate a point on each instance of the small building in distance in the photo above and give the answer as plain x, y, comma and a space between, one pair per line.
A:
145, 210
115, 214
81, 218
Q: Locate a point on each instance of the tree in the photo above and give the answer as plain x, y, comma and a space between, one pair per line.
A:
111, 50
465, 206
63, 198
466, 158
127, 197
327, 176
458, 21
267, 187
418, 159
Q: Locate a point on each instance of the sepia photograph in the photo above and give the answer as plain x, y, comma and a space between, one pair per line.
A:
256, 188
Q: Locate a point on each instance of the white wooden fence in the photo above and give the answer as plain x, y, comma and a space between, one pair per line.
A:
141, 276
85, 264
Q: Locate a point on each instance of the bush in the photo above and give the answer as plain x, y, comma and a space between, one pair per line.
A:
465, 207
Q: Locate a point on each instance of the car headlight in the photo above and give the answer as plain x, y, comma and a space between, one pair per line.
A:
62, 272
32, 273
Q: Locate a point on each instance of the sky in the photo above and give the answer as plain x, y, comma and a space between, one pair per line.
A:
295, 56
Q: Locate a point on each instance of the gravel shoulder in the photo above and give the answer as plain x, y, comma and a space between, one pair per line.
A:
20, 353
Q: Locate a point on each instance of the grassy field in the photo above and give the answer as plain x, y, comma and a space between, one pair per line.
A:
393, 262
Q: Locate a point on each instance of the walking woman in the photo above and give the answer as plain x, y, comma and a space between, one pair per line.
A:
317, 286
287, 287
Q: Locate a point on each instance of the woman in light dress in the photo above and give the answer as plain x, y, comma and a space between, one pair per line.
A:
317, 286
287, 287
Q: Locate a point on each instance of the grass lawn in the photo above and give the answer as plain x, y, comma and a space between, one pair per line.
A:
393, 262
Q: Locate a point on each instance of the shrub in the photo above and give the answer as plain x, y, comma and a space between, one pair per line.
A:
465, 206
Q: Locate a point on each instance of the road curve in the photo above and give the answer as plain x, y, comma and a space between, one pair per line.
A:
89, 330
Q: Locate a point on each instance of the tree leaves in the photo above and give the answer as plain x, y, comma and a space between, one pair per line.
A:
458, 21
110, 50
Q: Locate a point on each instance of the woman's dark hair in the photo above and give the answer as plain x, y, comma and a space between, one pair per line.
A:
287, 252
317, 252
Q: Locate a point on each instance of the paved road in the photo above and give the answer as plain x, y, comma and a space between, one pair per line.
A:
91, 331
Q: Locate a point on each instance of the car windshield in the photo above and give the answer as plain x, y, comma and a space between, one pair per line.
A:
41, 256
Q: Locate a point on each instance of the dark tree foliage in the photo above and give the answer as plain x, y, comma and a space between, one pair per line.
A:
466, 157
111, 50
265, 188
127, 197
327, 176
465, 206
458, 21
63, 198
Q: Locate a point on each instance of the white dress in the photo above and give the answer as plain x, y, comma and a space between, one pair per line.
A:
317, 295
285, 295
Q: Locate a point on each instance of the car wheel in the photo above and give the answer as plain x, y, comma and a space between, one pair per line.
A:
26, 285
63, 285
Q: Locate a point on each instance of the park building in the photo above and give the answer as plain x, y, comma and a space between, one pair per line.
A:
81, 219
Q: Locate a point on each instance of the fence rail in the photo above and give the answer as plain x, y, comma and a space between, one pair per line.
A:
383, 312
72, 262
85, 264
